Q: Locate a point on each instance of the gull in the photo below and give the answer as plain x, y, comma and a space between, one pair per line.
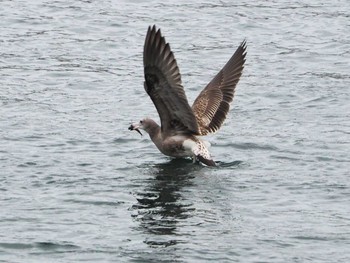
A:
181, 124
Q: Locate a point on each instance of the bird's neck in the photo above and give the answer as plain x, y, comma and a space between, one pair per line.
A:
155, 133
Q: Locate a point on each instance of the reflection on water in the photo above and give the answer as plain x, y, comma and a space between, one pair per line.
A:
233, 164
71, 81
161, 206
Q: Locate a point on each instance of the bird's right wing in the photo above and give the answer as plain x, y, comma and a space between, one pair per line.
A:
213, 103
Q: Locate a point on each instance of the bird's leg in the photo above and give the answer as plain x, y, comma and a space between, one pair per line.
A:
194, 159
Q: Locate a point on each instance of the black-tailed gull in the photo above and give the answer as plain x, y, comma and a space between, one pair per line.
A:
180, 123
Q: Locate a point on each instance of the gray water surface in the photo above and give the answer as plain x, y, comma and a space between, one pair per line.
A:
77, 186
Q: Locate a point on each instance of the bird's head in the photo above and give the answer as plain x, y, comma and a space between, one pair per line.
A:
144, 124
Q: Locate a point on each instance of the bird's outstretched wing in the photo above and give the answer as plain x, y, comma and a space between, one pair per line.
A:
212, 104
163, 85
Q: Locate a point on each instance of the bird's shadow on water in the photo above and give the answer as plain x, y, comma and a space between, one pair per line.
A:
163, 204
161, 207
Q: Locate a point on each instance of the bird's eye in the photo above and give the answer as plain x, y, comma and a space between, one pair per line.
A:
141, 122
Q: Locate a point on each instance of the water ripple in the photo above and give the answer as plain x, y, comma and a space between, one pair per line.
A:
78, 186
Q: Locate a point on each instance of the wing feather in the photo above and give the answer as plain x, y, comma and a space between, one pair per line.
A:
163, 85
213, 103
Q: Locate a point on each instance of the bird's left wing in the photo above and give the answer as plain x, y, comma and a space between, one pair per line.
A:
163, 85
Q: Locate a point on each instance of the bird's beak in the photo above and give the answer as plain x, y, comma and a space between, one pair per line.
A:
134, 127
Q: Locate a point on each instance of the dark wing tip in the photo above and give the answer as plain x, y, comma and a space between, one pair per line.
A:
153, 37
152, 29
244, 46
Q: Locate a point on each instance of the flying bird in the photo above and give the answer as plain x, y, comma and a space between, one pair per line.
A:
181, 124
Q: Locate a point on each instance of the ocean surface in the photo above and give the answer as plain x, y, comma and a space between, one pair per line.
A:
77, 186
